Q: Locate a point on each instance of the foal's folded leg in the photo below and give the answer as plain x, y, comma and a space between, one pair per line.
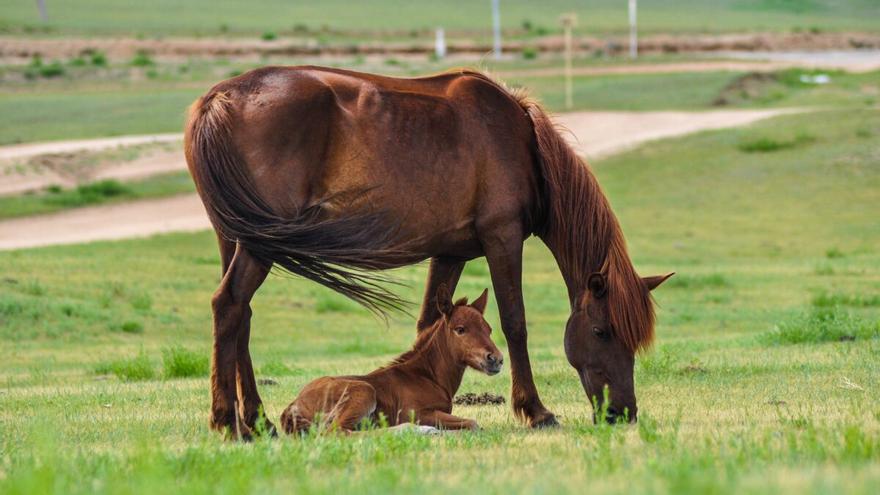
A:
446, 421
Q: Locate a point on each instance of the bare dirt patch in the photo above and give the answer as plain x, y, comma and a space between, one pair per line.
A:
79, 166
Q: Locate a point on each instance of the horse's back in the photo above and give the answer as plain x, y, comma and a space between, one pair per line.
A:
430, 152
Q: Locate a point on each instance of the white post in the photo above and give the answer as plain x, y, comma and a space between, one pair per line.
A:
440, 43
496, 29
633, 31
568, 22
44, 16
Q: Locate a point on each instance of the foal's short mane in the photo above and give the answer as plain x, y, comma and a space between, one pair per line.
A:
583, 229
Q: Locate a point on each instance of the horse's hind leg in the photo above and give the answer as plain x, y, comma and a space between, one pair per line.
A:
357, 402
442, 271
232, 313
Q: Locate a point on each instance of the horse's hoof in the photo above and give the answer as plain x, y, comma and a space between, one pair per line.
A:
544, 420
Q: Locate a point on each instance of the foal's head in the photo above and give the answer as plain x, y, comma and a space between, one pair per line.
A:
466, 333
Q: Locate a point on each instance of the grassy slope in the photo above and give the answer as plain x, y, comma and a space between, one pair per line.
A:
753, 236
596, 16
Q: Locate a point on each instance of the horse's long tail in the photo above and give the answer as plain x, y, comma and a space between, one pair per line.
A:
337, 253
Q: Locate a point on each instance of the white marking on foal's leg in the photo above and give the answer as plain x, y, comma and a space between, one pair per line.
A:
417, 429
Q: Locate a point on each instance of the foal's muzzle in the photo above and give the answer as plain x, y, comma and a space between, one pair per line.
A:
492, 363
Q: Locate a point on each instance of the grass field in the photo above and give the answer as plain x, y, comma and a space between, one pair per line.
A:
765, 378
597, 17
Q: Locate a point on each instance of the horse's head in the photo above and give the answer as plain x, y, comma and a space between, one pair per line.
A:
467, 334
602, 355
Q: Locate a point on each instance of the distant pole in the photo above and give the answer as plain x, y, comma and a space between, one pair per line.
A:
633, 31
568, 22
440, 43
496, 29
41, 5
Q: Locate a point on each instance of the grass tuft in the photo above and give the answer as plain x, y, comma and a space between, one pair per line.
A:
179, 362
766, 144
827, 300
821, 325
132, 327
137, 368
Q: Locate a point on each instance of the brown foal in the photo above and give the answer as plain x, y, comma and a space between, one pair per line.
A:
417, 387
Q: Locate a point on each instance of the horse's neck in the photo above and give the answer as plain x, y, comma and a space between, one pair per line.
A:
436, 364
580, 228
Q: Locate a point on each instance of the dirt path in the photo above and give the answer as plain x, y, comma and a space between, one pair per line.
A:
594, 134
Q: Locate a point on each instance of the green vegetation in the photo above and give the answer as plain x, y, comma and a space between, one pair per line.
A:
132, 369
417, 17
753, 386
821, 325
179, 362
101, 192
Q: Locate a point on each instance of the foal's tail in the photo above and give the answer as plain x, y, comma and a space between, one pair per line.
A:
336, 253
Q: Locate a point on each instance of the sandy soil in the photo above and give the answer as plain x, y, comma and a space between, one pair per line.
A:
594, 134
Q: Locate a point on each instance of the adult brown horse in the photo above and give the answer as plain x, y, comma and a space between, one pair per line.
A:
332, 174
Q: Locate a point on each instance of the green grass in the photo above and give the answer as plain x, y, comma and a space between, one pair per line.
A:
723, 408
597, 17
137, 368
179, 362
822, 325
102, 192
59, 113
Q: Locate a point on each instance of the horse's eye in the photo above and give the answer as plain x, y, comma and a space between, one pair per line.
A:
600, 332
459, 330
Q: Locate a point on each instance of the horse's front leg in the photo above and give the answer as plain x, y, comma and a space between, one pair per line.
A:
442, 271
232, 313
504, 255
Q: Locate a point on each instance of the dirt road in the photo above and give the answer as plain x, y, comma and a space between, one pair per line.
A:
593, 134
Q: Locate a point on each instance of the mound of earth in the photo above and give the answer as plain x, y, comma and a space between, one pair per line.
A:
472, 399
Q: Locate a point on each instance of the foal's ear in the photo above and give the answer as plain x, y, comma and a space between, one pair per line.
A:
597, 284
480, 303
444, 300
653, 282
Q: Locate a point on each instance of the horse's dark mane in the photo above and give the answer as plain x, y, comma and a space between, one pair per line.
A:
585, 233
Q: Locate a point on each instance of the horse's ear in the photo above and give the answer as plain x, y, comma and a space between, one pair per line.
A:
480, 303
653, 282
597, 284
444, 300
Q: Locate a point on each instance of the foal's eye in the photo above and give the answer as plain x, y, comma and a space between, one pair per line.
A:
459, 330
600, 332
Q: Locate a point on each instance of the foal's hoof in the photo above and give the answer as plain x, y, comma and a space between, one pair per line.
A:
543, 420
